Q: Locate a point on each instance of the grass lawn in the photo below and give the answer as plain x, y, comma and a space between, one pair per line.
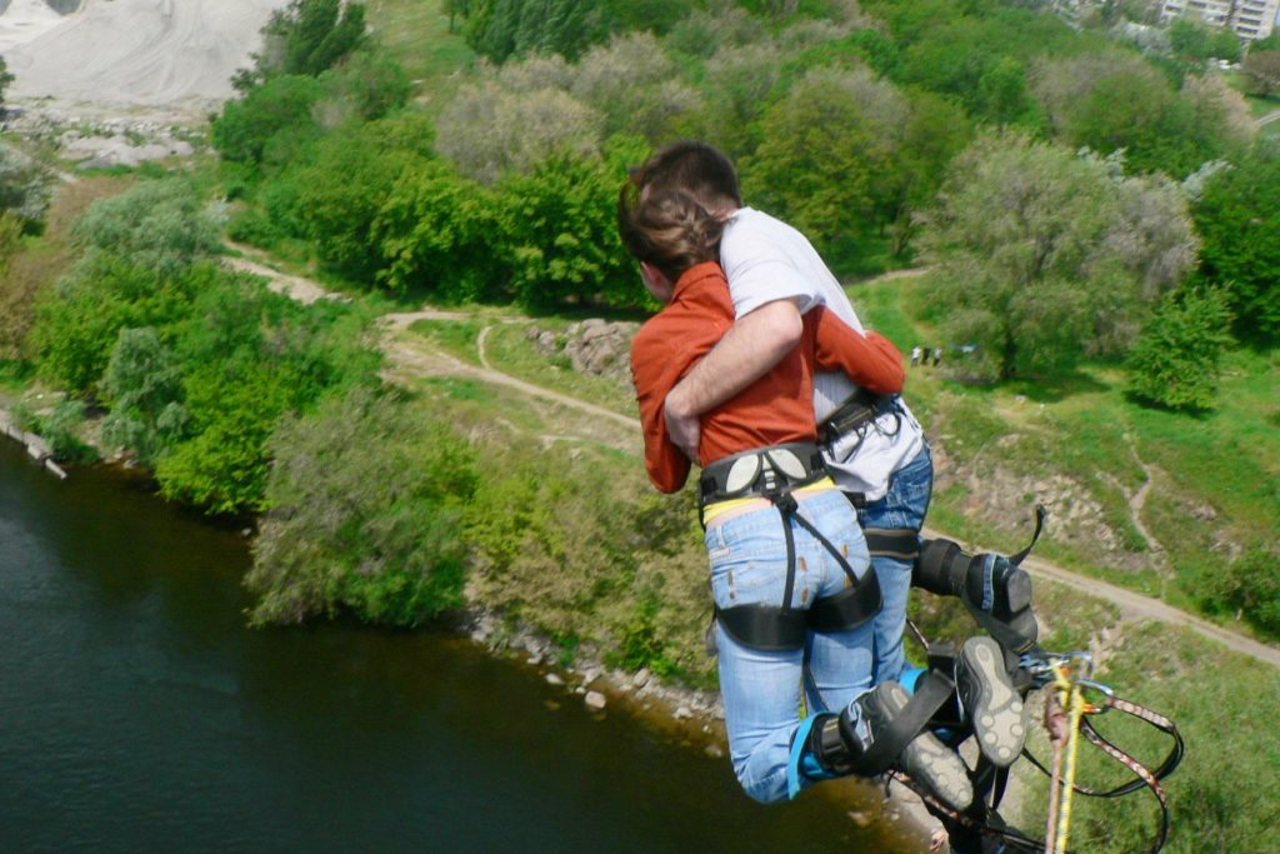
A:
416, 32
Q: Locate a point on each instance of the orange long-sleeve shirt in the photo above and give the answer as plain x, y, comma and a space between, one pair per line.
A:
776, 408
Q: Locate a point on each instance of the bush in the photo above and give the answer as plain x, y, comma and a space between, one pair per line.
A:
1178, 357
159, 225
1249, 587
365, 504
270, 124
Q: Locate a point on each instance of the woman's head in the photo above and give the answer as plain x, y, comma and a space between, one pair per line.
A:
667, 229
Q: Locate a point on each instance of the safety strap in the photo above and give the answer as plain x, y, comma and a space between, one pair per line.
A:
932, 691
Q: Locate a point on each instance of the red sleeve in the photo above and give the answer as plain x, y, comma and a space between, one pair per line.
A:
654, 374
870, 360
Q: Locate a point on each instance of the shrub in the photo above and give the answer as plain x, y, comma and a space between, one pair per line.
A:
270, 124
1249, 586
366, 500
160, 225
1178, 357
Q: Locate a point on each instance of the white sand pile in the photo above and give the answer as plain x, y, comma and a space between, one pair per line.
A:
130, 52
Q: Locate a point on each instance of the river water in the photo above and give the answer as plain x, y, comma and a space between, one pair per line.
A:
139, 714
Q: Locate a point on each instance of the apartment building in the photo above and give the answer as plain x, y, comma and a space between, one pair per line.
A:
1250, 19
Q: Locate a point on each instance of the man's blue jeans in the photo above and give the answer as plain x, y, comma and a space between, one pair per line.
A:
762, 688
903, 507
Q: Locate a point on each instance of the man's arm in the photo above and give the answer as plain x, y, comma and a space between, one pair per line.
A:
752, 346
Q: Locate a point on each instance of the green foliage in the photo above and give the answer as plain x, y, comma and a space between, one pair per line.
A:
1177, 359
1113, 101
60, 428
143, 384
79, 320
338, 215
366, 502
1239, 218
1046, 256
160, 225
559, 237
25, 183
434, 234
270, 125
1198, 42
1262, 68
1248, 587
501, 29
373, 83
306, 37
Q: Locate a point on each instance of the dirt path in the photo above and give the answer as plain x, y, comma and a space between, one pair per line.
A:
414, 356
1273, 116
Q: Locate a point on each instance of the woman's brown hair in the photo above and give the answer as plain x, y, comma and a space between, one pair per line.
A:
668, 229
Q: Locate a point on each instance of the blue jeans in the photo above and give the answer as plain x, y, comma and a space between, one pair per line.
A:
903, 506
762, 689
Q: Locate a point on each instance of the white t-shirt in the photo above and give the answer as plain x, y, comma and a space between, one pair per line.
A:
766, 260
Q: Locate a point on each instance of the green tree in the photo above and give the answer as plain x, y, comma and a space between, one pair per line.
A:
1262, 68
5, 78
339, 192
1112, 101
1045, 256
365, 526
26, 186
558, 236
436, 233
827, 161
271, 123
143, 384
305, 38
1177, 359
1239, 218
161, 225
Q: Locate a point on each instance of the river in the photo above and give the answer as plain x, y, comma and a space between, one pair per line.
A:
138, 713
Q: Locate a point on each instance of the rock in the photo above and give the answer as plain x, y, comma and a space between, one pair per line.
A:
683, 713
554, 679
715, 751
641, 678
861, 819
595, 700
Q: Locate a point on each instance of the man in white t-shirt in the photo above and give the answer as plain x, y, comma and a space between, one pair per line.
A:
775, 276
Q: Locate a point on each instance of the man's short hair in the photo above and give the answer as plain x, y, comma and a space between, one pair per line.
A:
693, 167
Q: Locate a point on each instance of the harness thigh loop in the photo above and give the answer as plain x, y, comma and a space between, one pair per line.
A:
896, 543
764, 627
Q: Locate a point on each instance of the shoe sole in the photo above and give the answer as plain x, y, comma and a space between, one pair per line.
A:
998, 715
926, 759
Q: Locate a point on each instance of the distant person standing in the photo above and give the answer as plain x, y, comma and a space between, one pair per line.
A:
915, 355
937, 356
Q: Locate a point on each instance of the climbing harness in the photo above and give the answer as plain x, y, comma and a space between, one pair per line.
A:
775, 473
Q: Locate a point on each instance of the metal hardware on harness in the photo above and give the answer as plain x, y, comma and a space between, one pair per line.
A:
855, 413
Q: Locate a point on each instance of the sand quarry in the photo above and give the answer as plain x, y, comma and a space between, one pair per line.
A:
128, 56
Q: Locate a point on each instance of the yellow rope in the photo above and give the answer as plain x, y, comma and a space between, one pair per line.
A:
1071, 697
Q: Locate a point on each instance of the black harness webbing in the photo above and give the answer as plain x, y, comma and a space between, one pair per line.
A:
932, 692
786, 628
899, 543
